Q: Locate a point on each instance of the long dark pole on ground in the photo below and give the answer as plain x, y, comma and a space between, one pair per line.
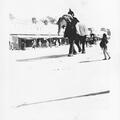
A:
66, 98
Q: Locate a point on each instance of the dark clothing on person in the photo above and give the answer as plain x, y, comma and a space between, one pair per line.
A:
103, 43
70, 32
74, 38
83, 41
74, 21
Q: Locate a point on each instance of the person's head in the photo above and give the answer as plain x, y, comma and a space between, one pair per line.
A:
104, 35
71, 12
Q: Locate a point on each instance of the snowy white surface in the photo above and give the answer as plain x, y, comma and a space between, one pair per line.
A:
40, 78
43, 74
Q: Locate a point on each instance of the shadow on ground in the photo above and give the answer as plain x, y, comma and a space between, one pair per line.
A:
43, 57
54, 57
91, 61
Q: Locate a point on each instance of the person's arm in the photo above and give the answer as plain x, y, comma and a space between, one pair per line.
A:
78, 30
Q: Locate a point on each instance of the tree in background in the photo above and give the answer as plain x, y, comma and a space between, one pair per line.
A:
109, 32
45, 21
34, 20
51, 20
11, 16
106, 30
103, 29
90, 29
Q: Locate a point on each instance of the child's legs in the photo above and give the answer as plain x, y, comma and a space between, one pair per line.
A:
104, 52
107, 53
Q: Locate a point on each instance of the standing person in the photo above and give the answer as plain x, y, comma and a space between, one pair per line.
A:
40, 44
80, 29
103, 45
72, 33
23, 45
34, 44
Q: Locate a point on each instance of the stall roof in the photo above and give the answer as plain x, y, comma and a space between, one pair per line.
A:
35, 36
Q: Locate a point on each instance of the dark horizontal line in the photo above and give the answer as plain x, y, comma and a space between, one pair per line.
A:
66, 98
36, 34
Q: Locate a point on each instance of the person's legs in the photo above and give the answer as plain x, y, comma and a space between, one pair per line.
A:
86, 43
108, 55
83, 43
79, 48
71, 48
74, 51
104, 52
77, 42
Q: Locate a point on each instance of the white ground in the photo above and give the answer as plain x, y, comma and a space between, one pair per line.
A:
43, 74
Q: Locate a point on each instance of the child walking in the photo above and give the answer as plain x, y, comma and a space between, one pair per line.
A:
103, 45
34, 44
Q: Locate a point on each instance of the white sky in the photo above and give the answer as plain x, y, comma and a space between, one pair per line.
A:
90, 12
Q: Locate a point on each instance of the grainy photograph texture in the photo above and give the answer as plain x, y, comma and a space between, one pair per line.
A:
62, 60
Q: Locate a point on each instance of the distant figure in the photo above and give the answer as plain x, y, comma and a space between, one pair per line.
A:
11, 46
23, 45
34, 44
40, 43
92, 38
103, 45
